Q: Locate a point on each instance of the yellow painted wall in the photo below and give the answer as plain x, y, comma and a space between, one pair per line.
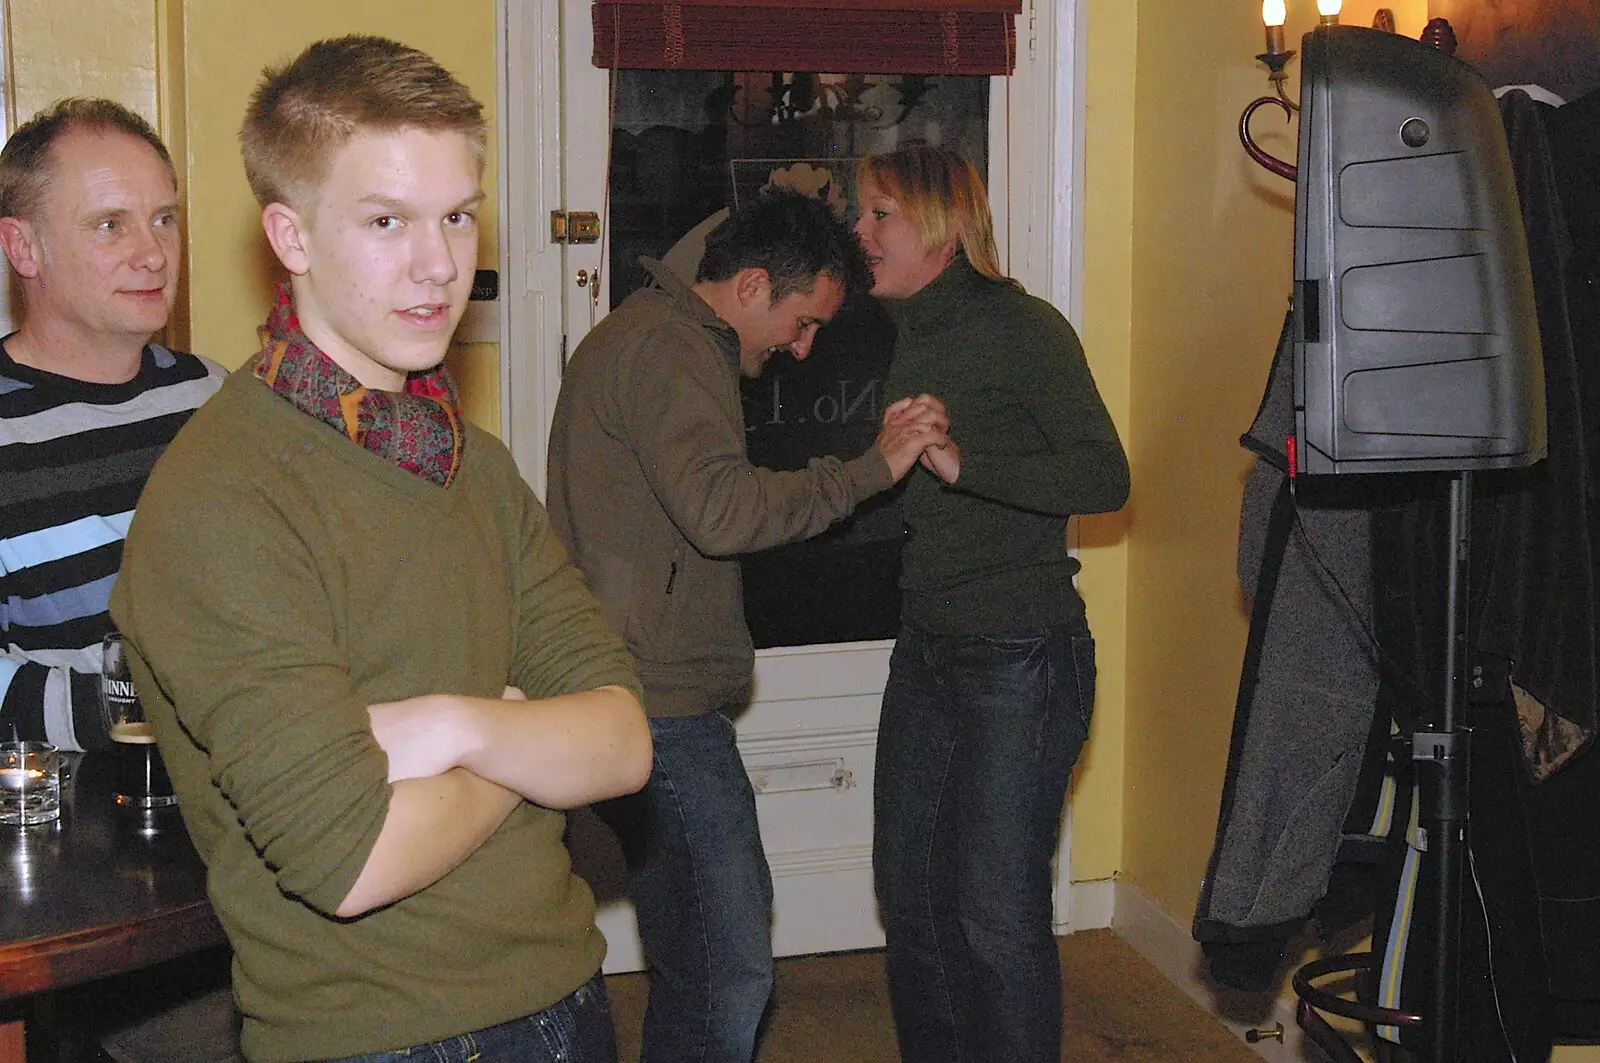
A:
1211, 274
83, 48
1104, 543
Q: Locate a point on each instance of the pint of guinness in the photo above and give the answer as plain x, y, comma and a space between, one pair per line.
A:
141, 778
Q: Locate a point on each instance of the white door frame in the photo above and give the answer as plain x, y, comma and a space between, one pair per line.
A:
532, 348
1035, 181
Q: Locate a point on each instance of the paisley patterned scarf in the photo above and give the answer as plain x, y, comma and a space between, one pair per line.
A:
419, 428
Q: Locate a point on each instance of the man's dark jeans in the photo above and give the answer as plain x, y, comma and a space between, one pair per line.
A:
700, 884
977, 742
575, 1029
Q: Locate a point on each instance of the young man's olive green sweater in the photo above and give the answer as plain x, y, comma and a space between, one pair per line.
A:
277, 580
988, 554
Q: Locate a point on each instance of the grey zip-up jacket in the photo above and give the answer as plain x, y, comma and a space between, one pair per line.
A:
650, 489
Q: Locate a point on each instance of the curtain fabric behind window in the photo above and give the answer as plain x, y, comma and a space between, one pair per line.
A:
837, 36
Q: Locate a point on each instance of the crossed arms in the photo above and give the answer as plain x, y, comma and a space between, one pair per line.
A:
459, 765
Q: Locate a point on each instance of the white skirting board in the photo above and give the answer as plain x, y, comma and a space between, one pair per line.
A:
1091, 907
1170, 948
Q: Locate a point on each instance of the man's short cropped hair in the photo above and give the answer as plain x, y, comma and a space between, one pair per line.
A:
794, 238
26, 159
303, 112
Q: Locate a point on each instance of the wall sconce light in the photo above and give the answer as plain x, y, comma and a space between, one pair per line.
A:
1273, 13
1276, 58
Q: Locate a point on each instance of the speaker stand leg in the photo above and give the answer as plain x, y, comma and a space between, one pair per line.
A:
1441, 757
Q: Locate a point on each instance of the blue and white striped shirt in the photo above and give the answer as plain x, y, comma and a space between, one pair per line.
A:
73, 458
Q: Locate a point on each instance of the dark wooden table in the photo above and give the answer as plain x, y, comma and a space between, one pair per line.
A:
97, 893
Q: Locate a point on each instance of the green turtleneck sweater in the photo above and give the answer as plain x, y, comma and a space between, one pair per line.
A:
988, 553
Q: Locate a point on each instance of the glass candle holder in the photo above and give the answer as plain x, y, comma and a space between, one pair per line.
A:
30, 782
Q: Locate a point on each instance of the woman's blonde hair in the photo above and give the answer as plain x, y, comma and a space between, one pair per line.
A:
940, 193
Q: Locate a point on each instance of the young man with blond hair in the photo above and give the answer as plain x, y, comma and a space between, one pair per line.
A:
374, 674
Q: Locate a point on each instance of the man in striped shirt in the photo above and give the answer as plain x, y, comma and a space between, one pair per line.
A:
89, 222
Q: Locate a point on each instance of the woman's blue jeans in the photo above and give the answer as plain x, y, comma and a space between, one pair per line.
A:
575, 1029
976, 745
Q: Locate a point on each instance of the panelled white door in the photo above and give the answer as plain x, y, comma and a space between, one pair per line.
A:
809, 735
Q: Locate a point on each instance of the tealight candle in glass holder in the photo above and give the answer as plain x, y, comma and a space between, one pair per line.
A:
30, 782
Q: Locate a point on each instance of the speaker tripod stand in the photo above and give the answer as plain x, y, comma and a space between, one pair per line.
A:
1440, 756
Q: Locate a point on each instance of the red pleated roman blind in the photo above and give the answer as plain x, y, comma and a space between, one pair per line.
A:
833, 36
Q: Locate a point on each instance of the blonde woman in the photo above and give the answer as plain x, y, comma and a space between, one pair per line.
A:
992, 679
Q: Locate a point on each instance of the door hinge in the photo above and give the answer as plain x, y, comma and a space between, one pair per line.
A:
574, 227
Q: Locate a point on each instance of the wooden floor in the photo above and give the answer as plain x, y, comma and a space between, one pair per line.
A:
1115, 1006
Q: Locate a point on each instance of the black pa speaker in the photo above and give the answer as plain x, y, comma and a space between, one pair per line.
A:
1416, 340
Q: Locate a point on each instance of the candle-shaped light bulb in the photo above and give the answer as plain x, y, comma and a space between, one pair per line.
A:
1273, 12
1329, 10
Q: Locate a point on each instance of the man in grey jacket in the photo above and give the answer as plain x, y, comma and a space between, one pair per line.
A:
651, 490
